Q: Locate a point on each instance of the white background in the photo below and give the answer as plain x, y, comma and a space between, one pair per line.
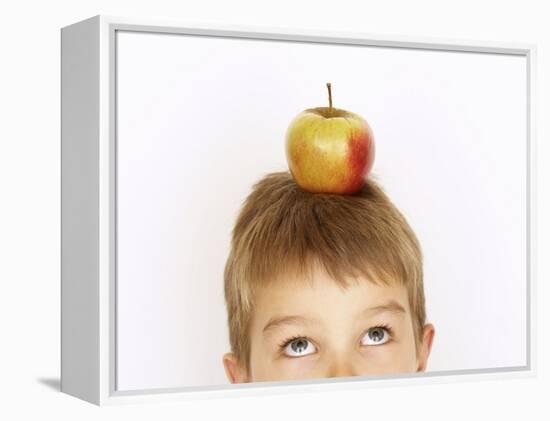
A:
29, 215
193, 138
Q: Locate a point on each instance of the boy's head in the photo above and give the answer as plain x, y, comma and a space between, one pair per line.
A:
323, 285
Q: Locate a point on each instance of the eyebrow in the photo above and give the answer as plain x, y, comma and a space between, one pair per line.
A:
275, 322
391, 306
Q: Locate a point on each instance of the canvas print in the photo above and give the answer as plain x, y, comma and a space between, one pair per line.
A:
291, 211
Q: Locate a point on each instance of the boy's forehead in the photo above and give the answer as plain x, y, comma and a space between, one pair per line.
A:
315, 274
320, 291
323, 304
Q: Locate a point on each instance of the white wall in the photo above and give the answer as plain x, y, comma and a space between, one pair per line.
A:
29, 215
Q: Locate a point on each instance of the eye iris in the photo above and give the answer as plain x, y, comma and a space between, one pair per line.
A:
299, 345
376, 334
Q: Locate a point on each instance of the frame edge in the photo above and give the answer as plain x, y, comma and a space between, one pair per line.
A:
79, 210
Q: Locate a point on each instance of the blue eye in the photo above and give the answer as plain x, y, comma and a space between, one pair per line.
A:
377, 336
296, 347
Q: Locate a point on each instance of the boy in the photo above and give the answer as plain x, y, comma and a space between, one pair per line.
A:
323, 285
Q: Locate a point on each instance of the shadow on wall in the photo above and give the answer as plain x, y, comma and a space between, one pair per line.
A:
51, 382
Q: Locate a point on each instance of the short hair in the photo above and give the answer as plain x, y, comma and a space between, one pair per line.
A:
282, 229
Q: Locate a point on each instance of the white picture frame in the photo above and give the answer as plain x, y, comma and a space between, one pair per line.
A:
88, 200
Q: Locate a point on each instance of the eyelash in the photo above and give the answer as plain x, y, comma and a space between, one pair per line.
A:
384, 326
286, 342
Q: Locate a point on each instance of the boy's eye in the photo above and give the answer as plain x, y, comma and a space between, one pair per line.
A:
376, 336
298, 347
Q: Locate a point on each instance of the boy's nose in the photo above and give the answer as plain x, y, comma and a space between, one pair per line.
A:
341, 369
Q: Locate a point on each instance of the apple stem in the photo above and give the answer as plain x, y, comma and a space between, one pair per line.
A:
329, 97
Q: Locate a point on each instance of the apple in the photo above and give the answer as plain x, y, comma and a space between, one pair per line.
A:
329, 150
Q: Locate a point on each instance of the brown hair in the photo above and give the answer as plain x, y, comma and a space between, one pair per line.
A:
282, 228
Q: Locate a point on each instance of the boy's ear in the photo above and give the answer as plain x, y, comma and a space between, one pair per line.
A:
235, 373
425, 346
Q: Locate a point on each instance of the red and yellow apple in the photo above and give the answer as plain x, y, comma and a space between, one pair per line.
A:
329, 150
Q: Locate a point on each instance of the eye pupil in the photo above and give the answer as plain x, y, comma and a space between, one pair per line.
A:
376, 334
299, 346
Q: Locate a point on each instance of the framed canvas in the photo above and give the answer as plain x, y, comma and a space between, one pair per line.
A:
199, 173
